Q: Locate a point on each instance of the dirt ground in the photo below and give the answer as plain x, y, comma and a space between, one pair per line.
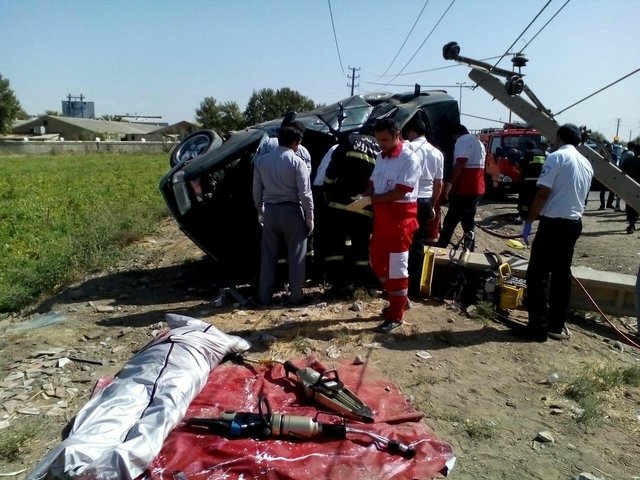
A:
483, 391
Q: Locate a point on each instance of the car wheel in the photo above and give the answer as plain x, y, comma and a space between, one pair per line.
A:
196, 144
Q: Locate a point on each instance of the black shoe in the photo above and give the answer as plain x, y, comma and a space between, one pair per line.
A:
529, 334
601, 207
387, 326
631, 228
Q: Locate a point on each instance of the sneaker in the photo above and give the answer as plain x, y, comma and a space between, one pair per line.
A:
387, 326
559, 336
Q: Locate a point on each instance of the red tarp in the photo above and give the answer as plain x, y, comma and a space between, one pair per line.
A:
201, 456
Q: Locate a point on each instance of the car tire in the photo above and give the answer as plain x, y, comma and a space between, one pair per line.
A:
195, 145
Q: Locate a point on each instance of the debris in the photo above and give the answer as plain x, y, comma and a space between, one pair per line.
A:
511, 403
29, 410
241, 313
357, 306
373, 346
556, 411
472, 311
553, 378
63, 362
238, 297
545, 437
321, 305
424, 355
10, 406
13, 474
125, 331
105, 308
587, 476
38, 321
333, 352
358, 360
4, 424
86, 360
93, 335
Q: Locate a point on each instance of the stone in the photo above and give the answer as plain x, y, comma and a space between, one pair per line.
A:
333, 352
4, 424
357, 306
10, 406
29, 410
587, 476
105, 308
545, 437
63, 362
358, 360
511, 403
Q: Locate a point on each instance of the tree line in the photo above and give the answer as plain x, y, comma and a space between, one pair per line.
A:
223, 117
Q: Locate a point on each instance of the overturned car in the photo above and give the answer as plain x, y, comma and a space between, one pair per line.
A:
209, 187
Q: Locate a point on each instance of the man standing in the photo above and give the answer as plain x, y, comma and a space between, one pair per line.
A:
562, 187
631, 168
392, 192
429, 187
282, 195
466, 185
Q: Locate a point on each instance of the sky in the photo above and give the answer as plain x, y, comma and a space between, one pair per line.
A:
163, 57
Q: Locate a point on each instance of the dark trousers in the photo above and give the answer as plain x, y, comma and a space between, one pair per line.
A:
610, 197
551, 256
462, 209
632, 216
416, 254
347, 265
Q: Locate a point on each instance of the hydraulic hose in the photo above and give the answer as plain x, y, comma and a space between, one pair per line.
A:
627, 340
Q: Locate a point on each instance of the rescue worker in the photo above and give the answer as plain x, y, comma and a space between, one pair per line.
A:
282, 196
392, 192
465, 186
531, 167
429, 187
563, 184
347, 175
631, 168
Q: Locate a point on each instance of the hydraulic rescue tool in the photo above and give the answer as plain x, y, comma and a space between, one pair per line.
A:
327, 389
264, 424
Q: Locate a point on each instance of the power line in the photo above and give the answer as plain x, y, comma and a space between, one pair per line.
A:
482, 118
412, 85
519, 36
424, 41
432, 69
335, 37
405, 39
544, 26
595, 93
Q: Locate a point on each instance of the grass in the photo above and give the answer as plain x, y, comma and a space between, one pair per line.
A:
62, 216
486, 312
15, 438
590, 387
479, 429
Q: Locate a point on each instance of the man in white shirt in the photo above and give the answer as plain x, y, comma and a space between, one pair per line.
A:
562, 187
429, 187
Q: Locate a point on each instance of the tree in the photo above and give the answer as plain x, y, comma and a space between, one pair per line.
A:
267, 104
223, 118
10, 108
52, 113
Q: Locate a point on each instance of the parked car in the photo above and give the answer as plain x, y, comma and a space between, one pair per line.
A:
210, 194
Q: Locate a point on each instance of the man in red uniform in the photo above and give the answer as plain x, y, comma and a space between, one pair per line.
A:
465, 186
392, 192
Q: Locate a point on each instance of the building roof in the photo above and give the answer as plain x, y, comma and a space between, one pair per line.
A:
106, 126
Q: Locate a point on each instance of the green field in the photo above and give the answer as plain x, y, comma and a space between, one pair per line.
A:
65, 215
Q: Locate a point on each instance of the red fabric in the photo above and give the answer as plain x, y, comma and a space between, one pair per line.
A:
232, 387
393, 228
470, 181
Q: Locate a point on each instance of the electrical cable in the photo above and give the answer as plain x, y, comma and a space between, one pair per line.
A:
335, 37
544, 26
429, 69
595, 93
482, 118
519, 36
424, 41
405, 40
411, 85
